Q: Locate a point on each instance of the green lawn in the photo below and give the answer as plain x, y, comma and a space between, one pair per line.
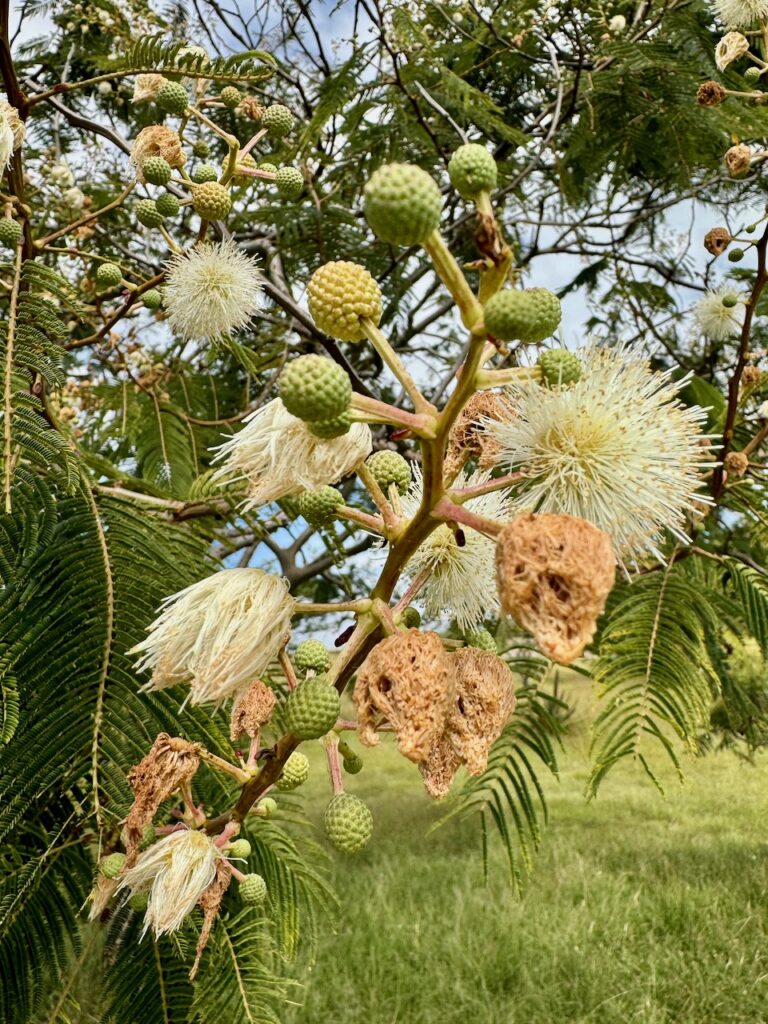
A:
639, 908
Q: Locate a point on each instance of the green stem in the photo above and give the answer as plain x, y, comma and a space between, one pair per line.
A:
452, 276
393, 361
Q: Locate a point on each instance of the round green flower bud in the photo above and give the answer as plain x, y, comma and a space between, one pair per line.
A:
402, 204
138, 902
318, 508
352, 765
156, 170
348, 823
752, 75
230, 96
148, 214
481, 639
336, 426
559, 367
410, 617
529, 315
390, 468
11, 232
167, 204
735, 255
211, 200
238, 178
253, 889
172, 98
315, 388
295, 772
108, 275
200, 149
148, 836
267, 806
152, 299
265, 165
240, 848
203, 173
729, 301
312, 708
290, 182
472, 169
339, 295
112, 865
312, 655
278, 119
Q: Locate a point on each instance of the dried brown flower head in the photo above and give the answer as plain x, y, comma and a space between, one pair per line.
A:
146, 87
731, 47
253, 710
409, 681
710, 94
736, 464
156, 140
209, 903
468, 437
738, 160
554, 574
249, 106
751, 376
440, 767
101, 896
717, 240
170, 763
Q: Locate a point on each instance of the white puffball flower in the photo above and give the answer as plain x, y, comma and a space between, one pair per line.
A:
617, 448
218, 635
462, 580
617, 23
741, 13
74, 198
277, 455
719, 314
174, 872
211, 290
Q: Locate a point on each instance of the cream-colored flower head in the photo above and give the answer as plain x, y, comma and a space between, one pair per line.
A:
617, 448
146, 87
174, 872
731, 47
462, 580
277, 455
218, 635
720, 313
211, 290
741, 13
11, 132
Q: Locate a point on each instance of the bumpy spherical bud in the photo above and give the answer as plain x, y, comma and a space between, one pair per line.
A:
156, 170
167, 204
559, 367
201, 149
10, 231
211, 200
295, 772
315, 388
230, 96
312, 708
348, 823
529, 315
267, 806
411, 618
152, 299
172, 98
112, 865
203, 173
265, 165
238, 178
402, 204
717, 240
339, 295
318, 508
481, 639
336, 426
752, 75
253, 889
312, 655
240, 848
138, 902
352, 764
148, 836
148, 214
290, 182
736, 255
278, 119
472, 169
108, 275
390, 468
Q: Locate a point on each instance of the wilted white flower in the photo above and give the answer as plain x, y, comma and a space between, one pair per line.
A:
720, 313
730, 48
146, 87
278, 455
12, 132
105, 89
617, 23
617, 449
217, 635
60, 174
741, 13
462, 581
74, 198
211, 290
174, 872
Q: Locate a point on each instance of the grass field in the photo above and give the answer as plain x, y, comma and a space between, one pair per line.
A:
639, 908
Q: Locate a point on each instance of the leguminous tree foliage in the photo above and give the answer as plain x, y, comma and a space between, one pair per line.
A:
351, 391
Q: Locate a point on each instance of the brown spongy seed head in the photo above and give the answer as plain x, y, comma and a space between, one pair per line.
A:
252, 711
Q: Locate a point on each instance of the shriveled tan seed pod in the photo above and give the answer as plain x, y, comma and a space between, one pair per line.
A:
210, 903
738, 160
554, 574
717, 240
409, 681
253, 710
710, 94
156, 140
439, 769
736, 464
485, 698
468, 437
250, 107
751, 376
